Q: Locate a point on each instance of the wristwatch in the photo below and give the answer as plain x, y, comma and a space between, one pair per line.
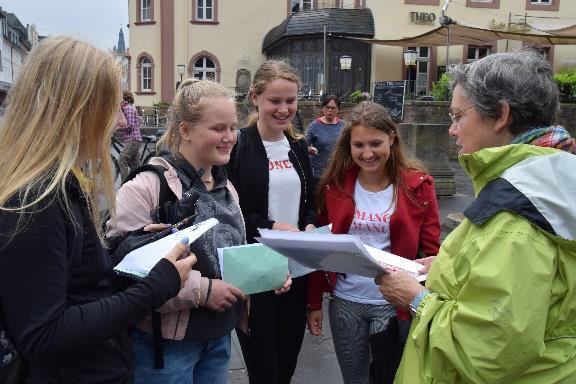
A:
417, 300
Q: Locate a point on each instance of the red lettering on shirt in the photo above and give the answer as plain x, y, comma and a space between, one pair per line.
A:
374, 217
279, 164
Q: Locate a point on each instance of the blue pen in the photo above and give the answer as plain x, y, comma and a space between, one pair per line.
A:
170, 229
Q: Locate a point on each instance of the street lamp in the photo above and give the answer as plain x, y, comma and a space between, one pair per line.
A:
345, 62
410, 57
181, 69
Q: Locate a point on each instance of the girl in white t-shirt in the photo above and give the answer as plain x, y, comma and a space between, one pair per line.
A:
371, 190
270, 169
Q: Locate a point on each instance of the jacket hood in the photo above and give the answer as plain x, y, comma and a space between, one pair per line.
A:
544, 176
487, 164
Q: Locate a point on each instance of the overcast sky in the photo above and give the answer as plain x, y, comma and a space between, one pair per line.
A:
97, 22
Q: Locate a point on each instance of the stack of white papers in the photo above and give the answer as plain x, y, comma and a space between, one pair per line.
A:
336, 253
140, 261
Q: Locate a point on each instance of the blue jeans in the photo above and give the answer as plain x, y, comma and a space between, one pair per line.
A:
185, 361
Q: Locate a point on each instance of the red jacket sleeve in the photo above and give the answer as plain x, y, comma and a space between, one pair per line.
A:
429, 241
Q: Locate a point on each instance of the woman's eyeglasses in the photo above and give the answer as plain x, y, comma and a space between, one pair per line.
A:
330, 108
455, 117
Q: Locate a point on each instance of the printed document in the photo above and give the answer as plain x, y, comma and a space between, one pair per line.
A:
336, 253
140, 261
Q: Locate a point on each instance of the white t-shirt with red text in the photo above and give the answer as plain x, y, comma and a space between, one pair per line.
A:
371, 223
283, 185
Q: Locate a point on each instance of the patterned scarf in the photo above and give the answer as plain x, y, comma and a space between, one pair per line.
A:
554, 137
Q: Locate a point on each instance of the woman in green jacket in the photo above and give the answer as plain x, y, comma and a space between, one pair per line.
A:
498, 306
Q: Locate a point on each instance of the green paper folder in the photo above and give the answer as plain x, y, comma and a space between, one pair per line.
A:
253, 268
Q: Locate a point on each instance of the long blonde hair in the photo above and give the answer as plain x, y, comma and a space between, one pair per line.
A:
186, 106
269, 71
60, 114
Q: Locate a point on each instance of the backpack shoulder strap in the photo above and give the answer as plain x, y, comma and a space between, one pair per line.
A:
166, 193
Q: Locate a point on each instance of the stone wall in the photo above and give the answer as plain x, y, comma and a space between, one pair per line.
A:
436, 112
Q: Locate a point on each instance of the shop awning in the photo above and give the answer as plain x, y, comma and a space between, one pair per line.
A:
463, 34
555, 29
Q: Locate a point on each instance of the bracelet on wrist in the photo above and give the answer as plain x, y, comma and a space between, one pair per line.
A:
208, 291
417, 300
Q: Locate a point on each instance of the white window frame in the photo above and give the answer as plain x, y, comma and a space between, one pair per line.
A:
145, 74
309, 3
202, 71
541, 2
202, 7
145, 11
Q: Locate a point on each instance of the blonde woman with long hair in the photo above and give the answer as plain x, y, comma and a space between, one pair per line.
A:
56, 301
271, 170
194, 339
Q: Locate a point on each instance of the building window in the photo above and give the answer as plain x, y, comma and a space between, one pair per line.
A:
204, 66
204, 12
145, 73
483, 4
144, 12
301, 5
475, 53
204, 69
542, 5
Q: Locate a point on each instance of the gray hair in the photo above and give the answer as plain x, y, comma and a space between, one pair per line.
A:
522, 79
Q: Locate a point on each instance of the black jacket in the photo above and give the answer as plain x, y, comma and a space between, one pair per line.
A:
248, 172
57, 300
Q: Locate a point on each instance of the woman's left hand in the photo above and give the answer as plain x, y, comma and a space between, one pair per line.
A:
285, 287
309, 228
398, 288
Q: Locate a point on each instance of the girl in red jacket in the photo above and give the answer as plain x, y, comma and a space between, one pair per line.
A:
370, 189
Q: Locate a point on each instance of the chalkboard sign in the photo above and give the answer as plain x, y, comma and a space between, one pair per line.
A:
391, 95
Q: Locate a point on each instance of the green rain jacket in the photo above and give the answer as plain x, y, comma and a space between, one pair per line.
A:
503, 308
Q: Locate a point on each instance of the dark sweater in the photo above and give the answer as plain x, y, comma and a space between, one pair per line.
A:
248, 172
57, 300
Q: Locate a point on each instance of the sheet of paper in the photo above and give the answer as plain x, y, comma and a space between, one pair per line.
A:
336, 253
140, 261
390, 260
253, 268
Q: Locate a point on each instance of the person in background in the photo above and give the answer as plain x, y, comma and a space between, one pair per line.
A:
372, 190
121, 122
270, 168
128, 159
57, 304
498, 306
322, 134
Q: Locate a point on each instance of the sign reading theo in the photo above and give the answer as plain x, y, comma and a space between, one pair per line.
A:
422, 17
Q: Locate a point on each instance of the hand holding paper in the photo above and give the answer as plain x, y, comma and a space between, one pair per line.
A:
140, 261
253, 268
